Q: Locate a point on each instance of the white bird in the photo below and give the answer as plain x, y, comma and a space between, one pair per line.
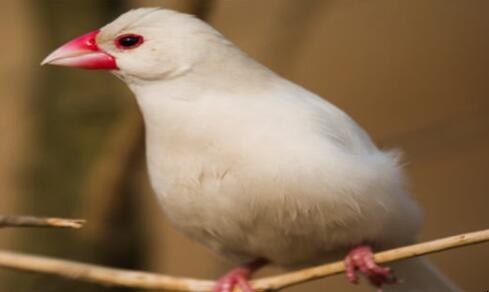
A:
253, 166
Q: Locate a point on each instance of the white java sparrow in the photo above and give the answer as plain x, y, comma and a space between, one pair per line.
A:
253, 166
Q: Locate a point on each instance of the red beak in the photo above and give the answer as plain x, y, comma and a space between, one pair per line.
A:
82, 52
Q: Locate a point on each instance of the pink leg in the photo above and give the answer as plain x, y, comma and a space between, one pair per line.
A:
361, 258
239, 277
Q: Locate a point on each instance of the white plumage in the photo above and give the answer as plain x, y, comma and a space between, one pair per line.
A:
251, 164
248, 163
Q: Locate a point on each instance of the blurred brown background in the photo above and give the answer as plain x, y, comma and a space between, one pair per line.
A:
413, 73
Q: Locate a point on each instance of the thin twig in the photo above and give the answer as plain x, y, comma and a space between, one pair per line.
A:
30, 221
294, 278
99, 274
135, 279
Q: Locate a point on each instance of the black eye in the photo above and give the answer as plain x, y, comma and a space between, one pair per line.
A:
128, 41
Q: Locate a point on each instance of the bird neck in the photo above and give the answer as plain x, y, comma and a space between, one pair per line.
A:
226, 76
175, 109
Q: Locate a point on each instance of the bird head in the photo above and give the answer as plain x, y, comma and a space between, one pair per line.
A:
142, 44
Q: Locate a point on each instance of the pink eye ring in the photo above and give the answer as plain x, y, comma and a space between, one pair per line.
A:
129, 41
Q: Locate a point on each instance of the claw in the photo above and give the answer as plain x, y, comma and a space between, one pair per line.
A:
238, 277
362, 258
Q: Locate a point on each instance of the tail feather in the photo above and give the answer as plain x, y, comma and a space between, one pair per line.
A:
417, 275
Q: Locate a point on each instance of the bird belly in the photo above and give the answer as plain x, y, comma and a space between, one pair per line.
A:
244, 213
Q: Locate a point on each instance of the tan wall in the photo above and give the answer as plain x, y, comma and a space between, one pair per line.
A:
16, 85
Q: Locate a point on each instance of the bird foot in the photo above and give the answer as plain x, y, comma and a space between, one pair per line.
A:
239, 277
236, 277
362, 258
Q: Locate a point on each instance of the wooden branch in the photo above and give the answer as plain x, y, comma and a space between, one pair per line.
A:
29, 221
135, 279
99, 274
294, 278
